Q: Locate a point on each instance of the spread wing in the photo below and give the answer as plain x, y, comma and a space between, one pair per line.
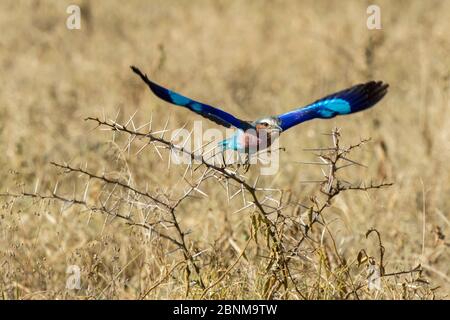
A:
351, 100
218, 116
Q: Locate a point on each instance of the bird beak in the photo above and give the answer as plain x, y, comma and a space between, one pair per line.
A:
278, 128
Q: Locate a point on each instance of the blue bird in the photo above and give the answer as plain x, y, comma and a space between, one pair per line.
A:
252, 136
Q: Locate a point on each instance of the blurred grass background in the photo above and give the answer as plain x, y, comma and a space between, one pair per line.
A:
252, 58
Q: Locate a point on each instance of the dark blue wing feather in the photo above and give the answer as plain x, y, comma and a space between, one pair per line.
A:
218, 116
351, 100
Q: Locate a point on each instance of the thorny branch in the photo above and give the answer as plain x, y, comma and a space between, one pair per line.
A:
287, 235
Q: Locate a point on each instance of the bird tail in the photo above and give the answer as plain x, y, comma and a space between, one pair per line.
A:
225, 144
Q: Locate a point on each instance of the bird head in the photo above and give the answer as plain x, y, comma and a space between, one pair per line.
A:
268, 124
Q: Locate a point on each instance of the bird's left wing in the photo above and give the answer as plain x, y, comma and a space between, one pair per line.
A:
351, 100
218, 116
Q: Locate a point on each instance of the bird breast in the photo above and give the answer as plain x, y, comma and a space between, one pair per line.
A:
255, 140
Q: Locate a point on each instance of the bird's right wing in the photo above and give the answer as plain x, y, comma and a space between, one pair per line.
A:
218, 116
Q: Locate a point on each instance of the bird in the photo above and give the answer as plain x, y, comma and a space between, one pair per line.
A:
253, 136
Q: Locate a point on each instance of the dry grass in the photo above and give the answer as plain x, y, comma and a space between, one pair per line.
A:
254, 58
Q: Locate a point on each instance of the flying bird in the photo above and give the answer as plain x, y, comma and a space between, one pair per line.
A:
252, 136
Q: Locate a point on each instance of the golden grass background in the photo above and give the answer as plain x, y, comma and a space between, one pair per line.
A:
252, 58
